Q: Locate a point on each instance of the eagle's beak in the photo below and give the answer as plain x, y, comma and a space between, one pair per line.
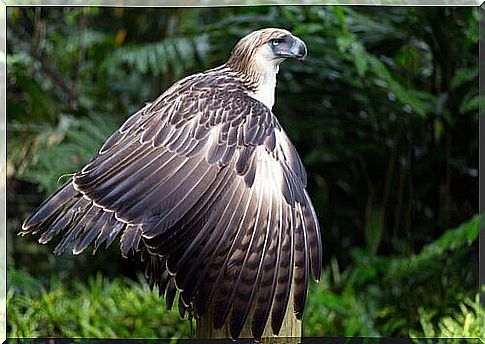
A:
298, 49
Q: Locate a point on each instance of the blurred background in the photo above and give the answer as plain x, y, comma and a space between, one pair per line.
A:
384, 113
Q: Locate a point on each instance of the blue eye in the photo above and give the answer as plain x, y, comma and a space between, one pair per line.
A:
276, 42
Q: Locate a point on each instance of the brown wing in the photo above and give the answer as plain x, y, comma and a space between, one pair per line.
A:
205, 181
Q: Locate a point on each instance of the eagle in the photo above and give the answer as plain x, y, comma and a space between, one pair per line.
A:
206, 187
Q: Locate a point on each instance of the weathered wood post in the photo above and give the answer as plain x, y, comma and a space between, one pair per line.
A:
290, 329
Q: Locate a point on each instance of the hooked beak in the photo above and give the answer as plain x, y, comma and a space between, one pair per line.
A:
298, 49
290, 47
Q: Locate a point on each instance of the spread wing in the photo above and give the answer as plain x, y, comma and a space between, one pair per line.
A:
207, 183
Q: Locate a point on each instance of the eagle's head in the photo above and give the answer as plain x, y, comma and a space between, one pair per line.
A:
266, 48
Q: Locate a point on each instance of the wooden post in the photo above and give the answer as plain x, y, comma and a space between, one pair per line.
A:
290, 329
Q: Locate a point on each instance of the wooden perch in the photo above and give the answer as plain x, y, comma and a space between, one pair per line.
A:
290, 329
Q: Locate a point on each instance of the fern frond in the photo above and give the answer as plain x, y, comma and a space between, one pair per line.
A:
175, 54
77, 140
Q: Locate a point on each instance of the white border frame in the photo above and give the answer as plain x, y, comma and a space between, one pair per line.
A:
158, 3
3, 172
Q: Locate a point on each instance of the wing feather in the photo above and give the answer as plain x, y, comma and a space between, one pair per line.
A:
109, 230
267, 285
61, 222
250, 274
194, 220
89, 222
87, 238
76, 214
50, 207
225, 293
312, 230
220, 258
300, 277
221, 234
285, 274
178, 259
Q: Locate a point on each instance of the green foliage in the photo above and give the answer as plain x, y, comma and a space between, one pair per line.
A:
120, 308
435, 288
468, 323
67, 148
175, 54
373, 229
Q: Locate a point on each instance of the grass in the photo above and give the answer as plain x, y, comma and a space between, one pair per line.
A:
118, 308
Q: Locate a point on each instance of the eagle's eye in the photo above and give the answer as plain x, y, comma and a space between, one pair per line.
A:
276, 41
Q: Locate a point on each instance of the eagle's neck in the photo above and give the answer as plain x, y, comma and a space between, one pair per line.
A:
266, 86
260, 77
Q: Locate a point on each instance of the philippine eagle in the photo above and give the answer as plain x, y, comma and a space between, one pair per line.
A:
206, 185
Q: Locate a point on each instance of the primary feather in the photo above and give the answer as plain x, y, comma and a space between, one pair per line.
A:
207, 185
